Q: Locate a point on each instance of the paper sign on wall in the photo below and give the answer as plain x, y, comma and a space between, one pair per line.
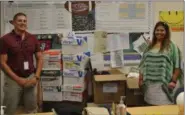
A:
100, 41
175, 19
117, 41
140, 45
116, 58
97, 61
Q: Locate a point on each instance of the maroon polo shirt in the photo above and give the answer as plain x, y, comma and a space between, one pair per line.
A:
20, 51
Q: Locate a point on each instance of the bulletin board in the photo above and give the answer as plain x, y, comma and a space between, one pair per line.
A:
116, 32
127, 24
108, 31
44, 17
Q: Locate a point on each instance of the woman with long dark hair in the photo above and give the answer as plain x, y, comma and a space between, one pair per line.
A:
160, 67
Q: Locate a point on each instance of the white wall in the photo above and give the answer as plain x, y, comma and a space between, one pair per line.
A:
1, 33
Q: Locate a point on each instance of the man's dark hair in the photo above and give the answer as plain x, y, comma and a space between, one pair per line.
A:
19, 14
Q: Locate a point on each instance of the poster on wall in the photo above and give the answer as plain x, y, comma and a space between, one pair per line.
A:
117, 41
123, 17
99, 41
49, 41
132, 10
139, 41
83, 22
83, 15
175, 19
116, 58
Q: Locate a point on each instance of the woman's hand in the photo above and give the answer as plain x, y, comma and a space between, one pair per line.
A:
140, 80
140, 83
172, 85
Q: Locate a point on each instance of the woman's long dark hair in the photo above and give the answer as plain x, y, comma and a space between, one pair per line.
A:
166, 42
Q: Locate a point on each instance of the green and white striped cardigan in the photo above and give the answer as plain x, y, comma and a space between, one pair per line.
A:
158, 67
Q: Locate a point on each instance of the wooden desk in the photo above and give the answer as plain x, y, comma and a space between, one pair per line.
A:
150, 110
47, 113
154, 110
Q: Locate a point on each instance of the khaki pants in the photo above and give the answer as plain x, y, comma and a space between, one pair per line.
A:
13, 93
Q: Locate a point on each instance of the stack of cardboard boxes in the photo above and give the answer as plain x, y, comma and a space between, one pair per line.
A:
63, 77
51, 79
74, 68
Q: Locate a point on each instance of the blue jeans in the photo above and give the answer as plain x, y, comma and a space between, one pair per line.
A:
13, 93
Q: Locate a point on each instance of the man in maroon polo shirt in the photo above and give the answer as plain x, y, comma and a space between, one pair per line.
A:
16, 57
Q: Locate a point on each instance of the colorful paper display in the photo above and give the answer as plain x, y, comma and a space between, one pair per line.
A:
175, 19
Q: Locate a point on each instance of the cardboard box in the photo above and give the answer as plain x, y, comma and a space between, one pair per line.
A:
76, 61
78, 94
51, 81
80, 45
51, 78
74, 73
134, 95
73, 96
109, 88
74, 87
73, 66
52, 93
115, 71
52, 60
132, 83
73, 80
77, 57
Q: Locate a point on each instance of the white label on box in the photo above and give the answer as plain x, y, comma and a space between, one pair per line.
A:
73, 73
51, 81
80, 45
74, 88
73, 66
52, 96
72, 96
79, 41
52, 93
75, 57
73, 80
110, 88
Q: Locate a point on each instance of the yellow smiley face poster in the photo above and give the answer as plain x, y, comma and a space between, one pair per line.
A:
175, 19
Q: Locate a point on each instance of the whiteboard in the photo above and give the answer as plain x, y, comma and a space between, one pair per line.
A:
43, 17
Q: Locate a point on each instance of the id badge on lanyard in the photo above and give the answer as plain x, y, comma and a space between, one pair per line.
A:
26, 65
